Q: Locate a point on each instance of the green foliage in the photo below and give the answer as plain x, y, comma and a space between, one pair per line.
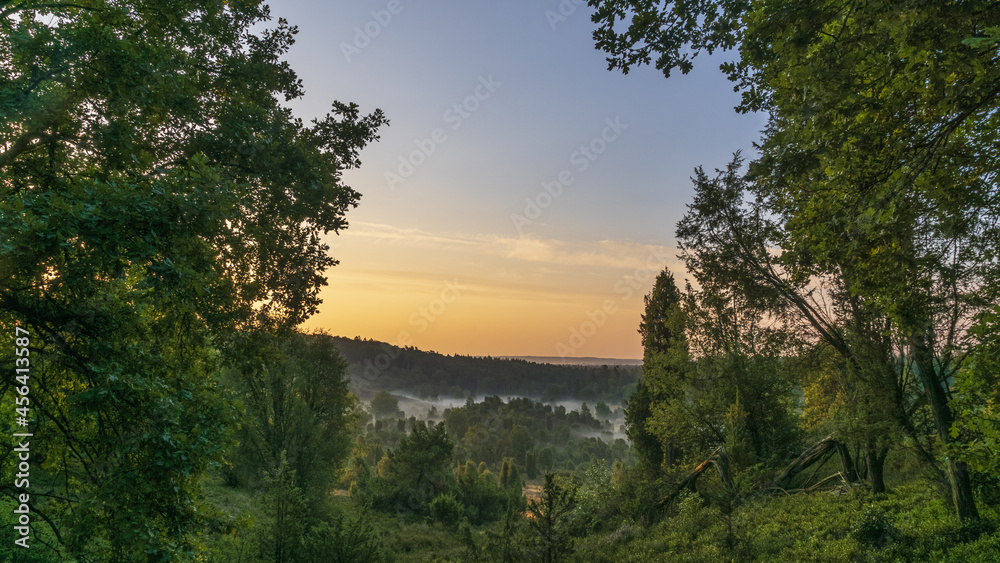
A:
258, 525
664, 355
39, 540
601, 410
683, 407
548, 519
384, 405
413, 474
874, 528
596, 502
280, 522
990, 36
494, 430
906, 186
342, 539
510, 478
445, 508
507, 542
978, 399
485, 499
296, 404
672, 32
638, 412
530, 464
909, 524
664, 363
877, 182
156, 196
637, 493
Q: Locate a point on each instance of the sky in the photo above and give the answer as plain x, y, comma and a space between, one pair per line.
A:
523, 197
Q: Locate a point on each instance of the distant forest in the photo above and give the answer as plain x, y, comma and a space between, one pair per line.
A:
376, 365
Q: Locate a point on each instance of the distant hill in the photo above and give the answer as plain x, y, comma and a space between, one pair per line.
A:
377, 365
587, 361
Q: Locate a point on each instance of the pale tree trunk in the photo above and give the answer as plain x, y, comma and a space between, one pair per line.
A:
958, 472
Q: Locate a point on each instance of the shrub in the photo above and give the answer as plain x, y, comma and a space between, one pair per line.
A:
342, 539
875, 528
483, 497
445, 508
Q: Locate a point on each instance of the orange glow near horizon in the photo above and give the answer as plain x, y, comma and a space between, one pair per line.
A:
489, 295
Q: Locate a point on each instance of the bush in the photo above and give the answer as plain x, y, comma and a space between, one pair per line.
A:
875, 528
342, 539
445, 508
483, 497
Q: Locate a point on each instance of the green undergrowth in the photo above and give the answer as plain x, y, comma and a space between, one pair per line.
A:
911, 523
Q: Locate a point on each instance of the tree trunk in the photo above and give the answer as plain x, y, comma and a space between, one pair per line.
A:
958, 472
671, 453
862, 464
961, 490
847, 466
875, 458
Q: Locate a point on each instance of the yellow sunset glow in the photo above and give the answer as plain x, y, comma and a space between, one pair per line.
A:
490, 295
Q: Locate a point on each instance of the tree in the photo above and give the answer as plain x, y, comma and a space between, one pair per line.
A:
281, 522
658, 328
602, 410
510, 477
419, 468
879, 160
674, 32
664, 349
516, 442
157, 196
482, 495
297, 405
546, 458
548, 518
457, 422
530, 464
978, 398
711, 367
916, 193
728, 244
384, 405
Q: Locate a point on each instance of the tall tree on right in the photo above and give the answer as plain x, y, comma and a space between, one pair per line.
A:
880, 158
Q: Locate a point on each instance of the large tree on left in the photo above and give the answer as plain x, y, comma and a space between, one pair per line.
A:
156, 197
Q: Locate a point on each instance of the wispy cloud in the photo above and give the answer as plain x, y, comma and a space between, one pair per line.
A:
617, 254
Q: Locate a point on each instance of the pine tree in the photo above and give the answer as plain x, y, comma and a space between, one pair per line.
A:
509, 476
662, 333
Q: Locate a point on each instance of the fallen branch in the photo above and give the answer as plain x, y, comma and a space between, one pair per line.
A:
719, 458
837, 475
813, 454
